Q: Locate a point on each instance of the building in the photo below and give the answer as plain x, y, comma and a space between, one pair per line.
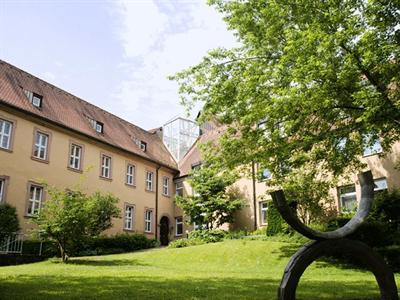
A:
47, 134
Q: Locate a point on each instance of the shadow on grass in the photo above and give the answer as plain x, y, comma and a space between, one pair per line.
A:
140, 287
114, 262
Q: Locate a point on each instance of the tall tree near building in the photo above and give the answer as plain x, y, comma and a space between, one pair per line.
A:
69, 217
214, 201
311, 84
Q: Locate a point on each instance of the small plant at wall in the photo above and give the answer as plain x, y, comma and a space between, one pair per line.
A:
8, 220
214, 200
70, 217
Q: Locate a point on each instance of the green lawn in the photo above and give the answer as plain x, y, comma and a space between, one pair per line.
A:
237, 269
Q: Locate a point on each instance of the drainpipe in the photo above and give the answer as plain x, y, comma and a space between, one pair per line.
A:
156, 208
253, 175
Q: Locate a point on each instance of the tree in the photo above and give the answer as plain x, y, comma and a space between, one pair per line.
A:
214, 201
69, 217
311, 85
8, 220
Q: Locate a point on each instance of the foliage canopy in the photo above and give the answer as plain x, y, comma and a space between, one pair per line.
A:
69, 217
311, 84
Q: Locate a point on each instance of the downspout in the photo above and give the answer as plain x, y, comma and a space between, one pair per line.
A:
253, 175
156, 206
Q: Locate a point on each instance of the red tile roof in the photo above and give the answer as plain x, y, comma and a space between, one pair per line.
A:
69, 111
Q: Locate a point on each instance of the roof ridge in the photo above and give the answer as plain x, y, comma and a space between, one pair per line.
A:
76, 98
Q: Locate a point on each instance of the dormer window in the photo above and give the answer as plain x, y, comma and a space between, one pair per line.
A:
96, 125
34, 98
143, 146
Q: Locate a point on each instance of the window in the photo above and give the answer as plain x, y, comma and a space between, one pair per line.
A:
148, 220
263, 174
380, 184
35, 199
179, 188
143, 146
35, 99
96, 125
165, 186
40, 148
2, 189
5, 134
99, 127
371, 145
129, 210
149, 181
263, 212
178, 226
130, 174
75, 157
347, 197
105, 166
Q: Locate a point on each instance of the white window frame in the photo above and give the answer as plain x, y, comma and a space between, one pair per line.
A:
377, 188
75, 157
149, 180
130, 174
129, 217
263, 212
148, 220
376, 148
36, 100
179, 188
347, 195
35, 199
166, 186
143, 146
40, 146
4, 134
2, 189
105, 166
178, 222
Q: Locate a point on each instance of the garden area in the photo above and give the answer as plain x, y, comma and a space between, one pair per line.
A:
232, 269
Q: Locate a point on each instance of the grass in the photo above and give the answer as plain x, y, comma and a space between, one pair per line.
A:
236, 269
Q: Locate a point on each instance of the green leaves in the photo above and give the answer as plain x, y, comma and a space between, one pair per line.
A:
214, 200
69, 217
314, 72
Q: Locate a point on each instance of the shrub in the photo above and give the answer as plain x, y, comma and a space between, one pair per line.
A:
8, 220
32, 247
181, 243
208, 236
274, 220
119, 243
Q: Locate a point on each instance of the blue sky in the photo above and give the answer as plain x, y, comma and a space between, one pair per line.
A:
114, 54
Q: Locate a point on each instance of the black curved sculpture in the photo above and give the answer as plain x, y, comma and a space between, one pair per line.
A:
334, 244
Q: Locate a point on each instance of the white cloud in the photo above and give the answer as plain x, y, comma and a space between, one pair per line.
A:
160, 39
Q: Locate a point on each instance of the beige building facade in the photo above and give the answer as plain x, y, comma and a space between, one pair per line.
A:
50, 136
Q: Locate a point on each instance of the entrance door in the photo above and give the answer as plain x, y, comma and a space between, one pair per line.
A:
164, 231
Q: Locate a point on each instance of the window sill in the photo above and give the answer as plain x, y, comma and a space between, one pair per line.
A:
149, 191
75, 170
105, 178
372, 154
168, 196
45, 161
130, 185
179, 235
6, 150
129, 230
26, 216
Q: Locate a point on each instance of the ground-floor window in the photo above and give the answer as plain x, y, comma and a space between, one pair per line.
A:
2, 184
347, 197
35, 199
178, 226
148, 220
129, 211
380, 184
263, 212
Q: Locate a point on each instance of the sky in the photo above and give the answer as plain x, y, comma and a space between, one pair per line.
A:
114, 54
